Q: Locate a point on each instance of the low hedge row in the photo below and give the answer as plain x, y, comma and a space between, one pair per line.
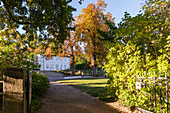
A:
40, 85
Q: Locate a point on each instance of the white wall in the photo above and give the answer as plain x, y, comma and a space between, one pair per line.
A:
54, 63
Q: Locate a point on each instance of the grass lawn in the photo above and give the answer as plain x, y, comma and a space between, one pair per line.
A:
94, 86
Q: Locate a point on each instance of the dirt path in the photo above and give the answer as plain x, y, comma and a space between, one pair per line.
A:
61, 98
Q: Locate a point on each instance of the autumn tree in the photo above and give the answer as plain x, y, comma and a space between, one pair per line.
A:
71, 48
87, 25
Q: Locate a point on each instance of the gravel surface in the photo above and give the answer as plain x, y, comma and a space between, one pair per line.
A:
61, 98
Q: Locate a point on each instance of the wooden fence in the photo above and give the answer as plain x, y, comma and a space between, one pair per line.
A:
16, 91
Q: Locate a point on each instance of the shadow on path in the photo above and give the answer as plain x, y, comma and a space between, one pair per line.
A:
62, 98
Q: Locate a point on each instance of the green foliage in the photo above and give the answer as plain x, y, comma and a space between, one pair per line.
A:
81, 72
82, 63
11, 57
141, 45
24, 25
40, 84
50, 15
122, 69
35, 105
144, 97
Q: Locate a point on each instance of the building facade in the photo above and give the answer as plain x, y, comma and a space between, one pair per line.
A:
54, 63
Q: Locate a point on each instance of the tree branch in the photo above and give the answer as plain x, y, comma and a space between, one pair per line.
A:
11, 16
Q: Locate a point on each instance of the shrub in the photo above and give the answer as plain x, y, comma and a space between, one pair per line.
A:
139, 50
35, 105
40, 84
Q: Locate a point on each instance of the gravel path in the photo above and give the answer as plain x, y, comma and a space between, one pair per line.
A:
62, 98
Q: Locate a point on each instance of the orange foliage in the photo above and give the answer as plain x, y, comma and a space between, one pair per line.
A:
87, 23
70, 46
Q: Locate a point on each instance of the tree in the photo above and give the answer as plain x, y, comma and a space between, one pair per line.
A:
71, 48
82, 63
50, 15
38, 20
140, 45
47, 17
87, 24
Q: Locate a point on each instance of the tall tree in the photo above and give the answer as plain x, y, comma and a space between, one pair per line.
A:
71, 48
87, 25
141, 46
25, 23
50, 15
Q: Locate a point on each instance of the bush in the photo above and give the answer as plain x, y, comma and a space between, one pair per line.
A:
40, 84
35, 105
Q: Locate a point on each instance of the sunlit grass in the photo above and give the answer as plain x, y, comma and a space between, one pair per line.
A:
94, 86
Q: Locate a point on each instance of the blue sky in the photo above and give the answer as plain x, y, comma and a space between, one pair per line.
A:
115, 7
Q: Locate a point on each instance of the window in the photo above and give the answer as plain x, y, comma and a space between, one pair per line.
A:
65, 59
61, 67
47, 66
57, 67
56, 58
64, 67
60, 58
52, 66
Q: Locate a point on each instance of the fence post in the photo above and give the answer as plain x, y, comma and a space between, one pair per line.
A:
150, 90
160, 91
159, 82
29, 91
155, 92
14, 98
145, 76
137, 97
166, 90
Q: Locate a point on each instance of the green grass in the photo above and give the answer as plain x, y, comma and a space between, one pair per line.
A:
94, 86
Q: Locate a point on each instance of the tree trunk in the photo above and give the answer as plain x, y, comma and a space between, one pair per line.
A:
94, 71
72, 69
94, 66
72, 62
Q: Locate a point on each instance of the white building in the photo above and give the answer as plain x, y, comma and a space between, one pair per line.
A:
54, 63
